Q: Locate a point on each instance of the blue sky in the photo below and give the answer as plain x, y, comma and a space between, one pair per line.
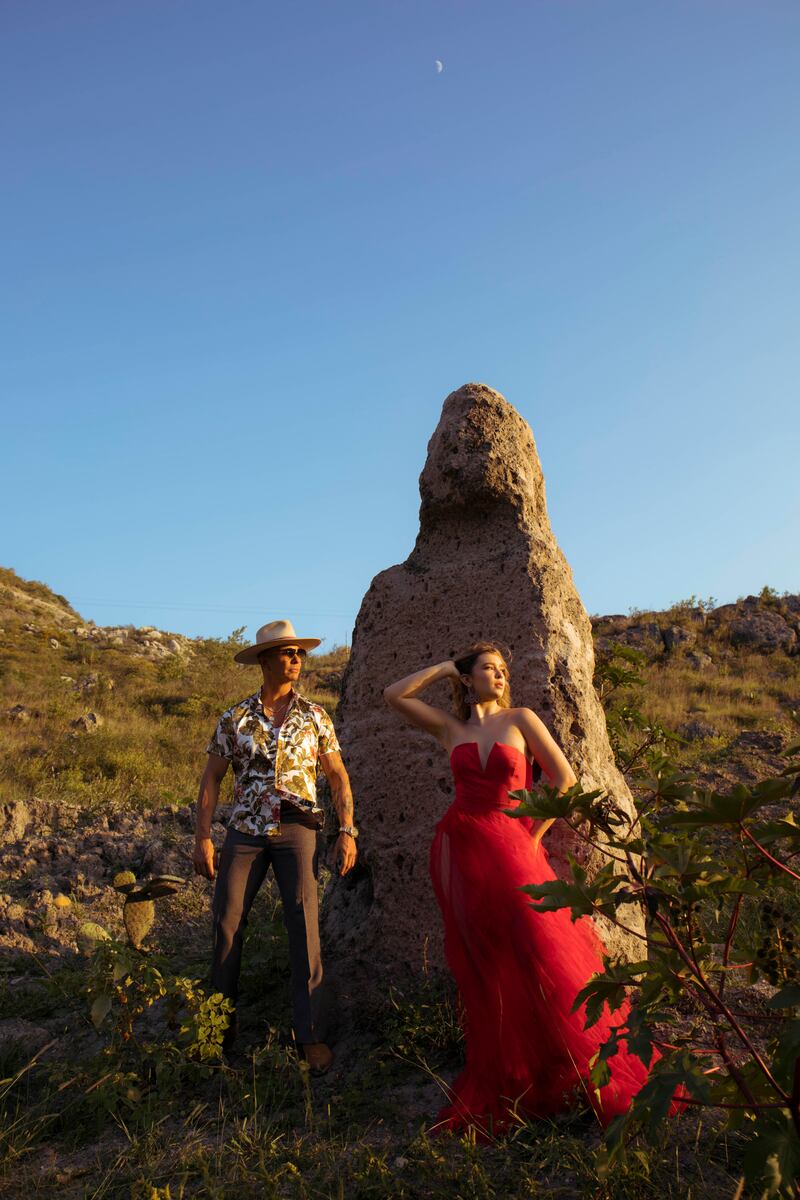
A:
250, 247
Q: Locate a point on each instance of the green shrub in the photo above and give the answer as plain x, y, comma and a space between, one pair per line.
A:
695, 861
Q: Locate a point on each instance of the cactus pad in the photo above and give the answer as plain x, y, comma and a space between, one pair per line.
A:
124, 881
89, 935
138, 917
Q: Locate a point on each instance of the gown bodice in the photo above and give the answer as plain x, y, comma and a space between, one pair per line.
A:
480, 788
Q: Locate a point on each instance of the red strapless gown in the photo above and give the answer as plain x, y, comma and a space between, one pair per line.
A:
518, 971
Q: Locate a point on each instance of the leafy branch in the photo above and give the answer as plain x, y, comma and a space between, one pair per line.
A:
709, 871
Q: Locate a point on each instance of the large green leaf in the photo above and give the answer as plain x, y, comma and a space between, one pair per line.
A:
545, 802
608, 989
542, 804
604, 895
772, 1159
787, 997
101, 1006
670, 1074
639, 1036
729, 808
772, 831
786, 1051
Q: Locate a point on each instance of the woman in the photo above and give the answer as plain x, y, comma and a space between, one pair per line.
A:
518, 970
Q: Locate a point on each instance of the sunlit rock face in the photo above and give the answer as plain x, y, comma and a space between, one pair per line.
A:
485, 566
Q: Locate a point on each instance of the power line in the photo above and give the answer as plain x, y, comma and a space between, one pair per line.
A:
230, 610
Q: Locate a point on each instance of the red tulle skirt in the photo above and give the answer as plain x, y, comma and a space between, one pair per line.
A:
518, 971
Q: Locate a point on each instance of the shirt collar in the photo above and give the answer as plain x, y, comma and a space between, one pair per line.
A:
254, 702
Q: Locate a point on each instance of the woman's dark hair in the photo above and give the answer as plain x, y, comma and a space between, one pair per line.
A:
464, 664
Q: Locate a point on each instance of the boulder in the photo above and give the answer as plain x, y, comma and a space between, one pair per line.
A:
676, 635
23, 1037
763, 630
485, 565
646, 637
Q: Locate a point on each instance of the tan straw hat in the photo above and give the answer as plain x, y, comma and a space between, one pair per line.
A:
274, 633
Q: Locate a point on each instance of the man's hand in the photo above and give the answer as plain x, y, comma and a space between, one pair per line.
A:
203, 857
207, 800
344, 853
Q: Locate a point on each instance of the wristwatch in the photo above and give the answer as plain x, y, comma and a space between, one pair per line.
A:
351, 829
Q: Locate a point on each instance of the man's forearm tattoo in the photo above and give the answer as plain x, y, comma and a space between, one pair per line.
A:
343, 801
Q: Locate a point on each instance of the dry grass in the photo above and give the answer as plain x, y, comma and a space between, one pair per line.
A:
750, 691
267, 1132
157, 718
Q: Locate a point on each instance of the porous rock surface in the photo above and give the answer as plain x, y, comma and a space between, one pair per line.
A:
485, 565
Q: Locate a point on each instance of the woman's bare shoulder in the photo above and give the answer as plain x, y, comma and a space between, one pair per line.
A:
526, 718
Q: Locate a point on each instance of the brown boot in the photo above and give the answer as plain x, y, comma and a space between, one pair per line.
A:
318, 1056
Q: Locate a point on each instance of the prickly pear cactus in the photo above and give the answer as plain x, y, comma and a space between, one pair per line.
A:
89, 935
138, 917
123, 880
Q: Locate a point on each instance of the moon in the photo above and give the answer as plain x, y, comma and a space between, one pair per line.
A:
439, 66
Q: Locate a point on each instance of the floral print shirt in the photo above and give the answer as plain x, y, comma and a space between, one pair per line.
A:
270, 767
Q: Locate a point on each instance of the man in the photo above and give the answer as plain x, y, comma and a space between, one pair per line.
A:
274, 740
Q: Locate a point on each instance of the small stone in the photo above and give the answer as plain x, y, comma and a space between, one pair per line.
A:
697, 731
88, 723
88, 683
699, 660
53, 643
15, 912
19, 713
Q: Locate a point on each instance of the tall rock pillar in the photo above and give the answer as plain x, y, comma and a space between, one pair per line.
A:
485, 565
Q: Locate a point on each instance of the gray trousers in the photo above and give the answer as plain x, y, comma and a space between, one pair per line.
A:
243, 866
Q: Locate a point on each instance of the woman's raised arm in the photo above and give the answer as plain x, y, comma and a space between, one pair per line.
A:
401, 697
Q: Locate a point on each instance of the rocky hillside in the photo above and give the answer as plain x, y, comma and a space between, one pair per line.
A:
104, 731
723, 679
32, 608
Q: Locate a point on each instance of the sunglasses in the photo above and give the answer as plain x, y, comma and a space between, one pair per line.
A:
292, 652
